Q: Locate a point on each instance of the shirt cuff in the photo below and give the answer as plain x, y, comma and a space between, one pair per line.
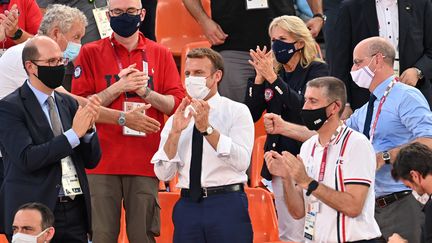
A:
161, 156
224, 146
72, 138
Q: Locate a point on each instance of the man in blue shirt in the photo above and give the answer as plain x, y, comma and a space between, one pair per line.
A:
398, 114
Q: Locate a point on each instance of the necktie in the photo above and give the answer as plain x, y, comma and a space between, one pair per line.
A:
54, 117
369, 113
68, 169
195, 167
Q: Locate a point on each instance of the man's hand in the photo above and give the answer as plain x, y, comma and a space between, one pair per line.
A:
83, 120
276, 164
395, 238
2, 32
180, 122
137, 120
315, 25
262, 61
200, 114
133, 81
93, 106
9, 20
409, 77
273, 123
213, 32
296, 169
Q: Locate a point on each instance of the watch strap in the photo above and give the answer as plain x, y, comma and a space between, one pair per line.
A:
313, 185
17, 34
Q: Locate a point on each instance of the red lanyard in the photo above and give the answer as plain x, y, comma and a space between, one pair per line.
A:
382, 100
117, 57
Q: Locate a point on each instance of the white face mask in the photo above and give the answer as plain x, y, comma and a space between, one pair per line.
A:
363, 76
25, 238
196, 87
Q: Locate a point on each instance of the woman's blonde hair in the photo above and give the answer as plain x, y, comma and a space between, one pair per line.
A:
298, 29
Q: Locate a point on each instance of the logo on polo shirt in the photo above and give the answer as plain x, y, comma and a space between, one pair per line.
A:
77, 72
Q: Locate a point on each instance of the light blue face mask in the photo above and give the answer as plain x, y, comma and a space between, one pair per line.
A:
72, 50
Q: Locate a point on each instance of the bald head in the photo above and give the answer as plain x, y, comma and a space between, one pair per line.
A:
373, 45
124, 4
40, 48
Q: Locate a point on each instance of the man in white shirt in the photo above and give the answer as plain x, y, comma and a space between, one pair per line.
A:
331, 182
208, 141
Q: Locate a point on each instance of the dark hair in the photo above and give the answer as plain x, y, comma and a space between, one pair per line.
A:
213, 56
30, 52
334, 89
46, 213
414, 156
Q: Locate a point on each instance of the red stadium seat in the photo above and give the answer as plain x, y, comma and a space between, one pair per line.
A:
263, 215
167, 201
175, 27
257, 162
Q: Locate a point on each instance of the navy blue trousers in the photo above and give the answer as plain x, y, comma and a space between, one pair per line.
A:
215, 219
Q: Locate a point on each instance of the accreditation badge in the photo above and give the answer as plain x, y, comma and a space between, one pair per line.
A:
256, 4
70, 181
102, 22
313, 209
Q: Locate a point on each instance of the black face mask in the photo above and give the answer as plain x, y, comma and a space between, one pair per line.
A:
314, 119
52, 77
125, 25
283, 51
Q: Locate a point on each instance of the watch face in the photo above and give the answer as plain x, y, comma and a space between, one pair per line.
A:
209, 130
386, 155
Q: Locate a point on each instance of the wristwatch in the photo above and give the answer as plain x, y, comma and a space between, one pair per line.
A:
146, 92
208, 131
17, 34
324, 18
122, 119
313, 185
419, 73
386, 157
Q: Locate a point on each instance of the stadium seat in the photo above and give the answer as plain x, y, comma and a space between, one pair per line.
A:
167, 200
263, 215
186, 48
257, 162
172, 184
3, 239
175, 27
162, 186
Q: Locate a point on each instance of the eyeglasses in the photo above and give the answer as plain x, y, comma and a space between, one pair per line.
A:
52, 62
130, 11
358, 61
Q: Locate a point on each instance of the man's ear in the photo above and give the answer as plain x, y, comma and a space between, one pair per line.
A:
30, 67
143, 14
50, 233
218, 75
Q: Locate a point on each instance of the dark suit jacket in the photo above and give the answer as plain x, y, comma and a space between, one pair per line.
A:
358, 20
32, 154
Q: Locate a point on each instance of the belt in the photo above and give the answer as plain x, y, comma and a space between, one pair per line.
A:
210, 191
386, 200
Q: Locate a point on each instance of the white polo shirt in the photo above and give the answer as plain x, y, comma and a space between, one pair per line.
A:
357, 165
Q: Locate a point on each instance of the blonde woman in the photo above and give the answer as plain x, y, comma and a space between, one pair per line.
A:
279, 86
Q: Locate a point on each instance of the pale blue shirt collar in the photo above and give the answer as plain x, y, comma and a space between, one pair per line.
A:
381, 88
40, 96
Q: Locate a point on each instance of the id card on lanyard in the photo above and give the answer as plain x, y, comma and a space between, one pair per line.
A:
101, 19
378, 113
256, 4
129, 105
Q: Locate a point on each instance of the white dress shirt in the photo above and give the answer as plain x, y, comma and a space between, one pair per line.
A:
223, 166
388, 20
12, 74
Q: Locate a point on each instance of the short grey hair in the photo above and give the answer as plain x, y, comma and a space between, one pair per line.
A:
333, 87
381, 45
61, 16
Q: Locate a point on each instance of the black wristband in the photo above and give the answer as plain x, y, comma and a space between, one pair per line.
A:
320, 16
313, 185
